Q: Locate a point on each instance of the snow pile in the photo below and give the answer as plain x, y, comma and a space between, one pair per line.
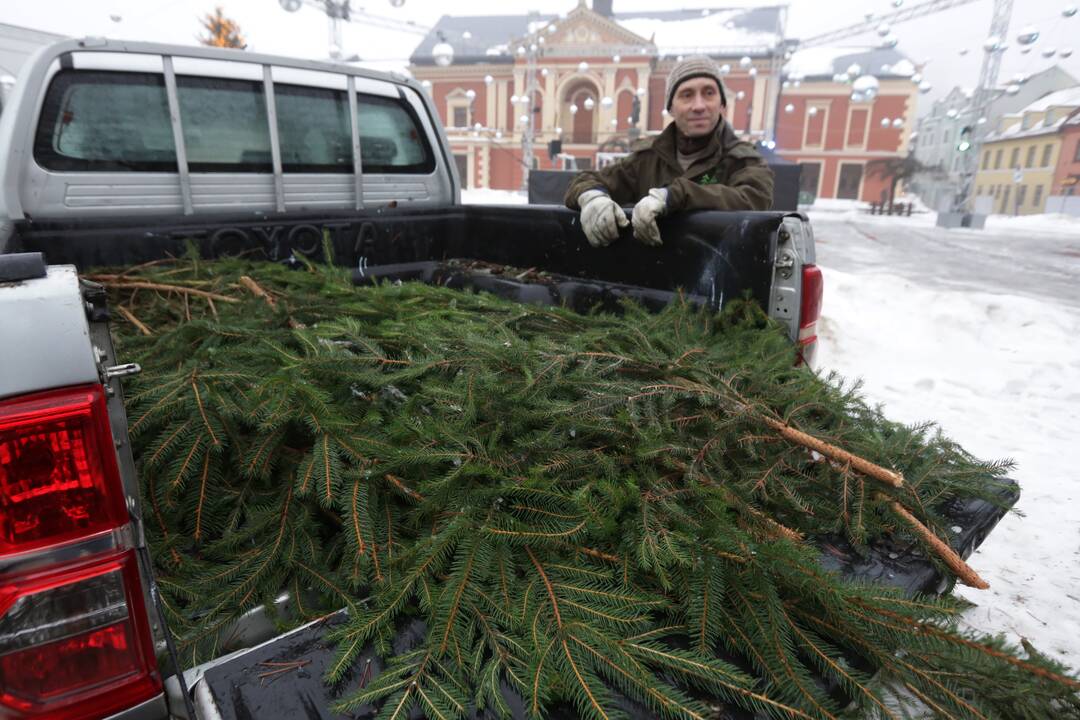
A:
1001, 375
485, 196
1046, 222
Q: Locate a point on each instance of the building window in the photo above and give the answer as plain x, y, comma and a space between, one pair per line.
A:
1037, 200
461, 116
1047, 152
986, 159
1030, 162
815, 125
857, 128
997, 191
849, 181
1014, 159
1076, 155
809, 179
1005, 199
997, 159
1021, 194
979, 191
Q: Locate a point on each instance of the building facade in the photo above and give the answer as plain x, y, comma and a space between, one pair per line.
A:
1024, 159
597, 81
935, 143
593, 81
1065, 191
845, 116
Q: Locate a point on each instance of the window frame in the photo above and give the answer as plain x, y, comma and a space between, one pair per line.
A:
1048, 152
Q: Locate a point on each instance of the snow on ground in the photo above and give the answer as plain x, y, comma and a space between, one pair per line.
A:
1000, 373
485, 196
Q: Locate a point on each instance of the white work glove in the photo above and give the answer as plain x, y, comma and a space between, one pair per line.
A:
646, 211
601, 217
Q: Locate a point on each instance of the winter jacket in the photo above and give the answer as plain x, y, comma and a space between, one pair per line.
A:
731, 176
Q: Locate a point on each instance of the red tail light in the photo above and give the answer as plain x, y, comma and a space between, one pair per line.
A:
58, 475
812, 288
75, 643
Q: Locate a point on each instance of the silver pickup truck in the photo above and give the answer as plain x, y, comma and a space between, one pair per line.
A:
117, 153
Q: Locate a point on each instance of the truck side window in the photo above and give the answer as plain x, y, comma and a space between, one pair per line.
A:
97, 120
391, 139
314, 130
225, 125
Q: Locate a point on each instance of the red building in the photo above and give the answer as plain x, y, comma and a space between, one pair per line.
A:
598, 80
1066, 184
844, 112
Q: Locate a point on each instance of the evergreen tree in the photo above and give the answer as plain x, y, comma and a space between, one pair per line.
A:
593, 510
221, 31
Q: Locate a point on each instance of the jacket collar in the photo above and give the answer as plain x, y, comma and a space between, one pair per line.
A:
722, 142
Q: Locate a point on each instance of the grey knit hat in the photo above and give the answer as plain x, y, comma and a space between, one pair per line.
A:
692, 67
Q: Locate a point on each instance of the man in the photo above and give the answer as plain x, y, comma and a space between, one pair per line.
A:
696, 163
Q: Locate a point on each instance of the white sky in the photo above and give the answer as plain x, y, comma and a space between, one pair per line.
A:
935, 39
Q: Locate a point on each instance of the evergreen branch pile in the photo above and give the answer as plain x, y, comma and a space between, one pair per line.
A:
584, 510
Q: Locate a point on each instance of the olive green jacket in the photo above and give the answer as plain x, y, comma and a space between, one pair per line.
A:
731, 176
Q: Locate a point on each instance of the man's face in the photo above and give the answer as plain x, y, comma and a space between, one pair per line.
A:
696, 107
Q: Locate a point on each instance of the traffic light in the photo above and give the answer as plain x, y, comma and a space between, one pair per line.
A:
963, 144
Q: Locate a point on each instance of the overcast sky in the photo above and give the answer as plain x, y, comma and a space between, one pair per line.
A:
935, 40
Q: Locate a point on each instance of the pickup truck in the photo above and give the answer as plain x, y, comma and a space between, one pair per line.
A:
118, 153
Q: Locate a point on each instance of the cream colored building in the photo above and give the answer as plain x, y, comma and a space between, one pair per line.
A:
1018, 159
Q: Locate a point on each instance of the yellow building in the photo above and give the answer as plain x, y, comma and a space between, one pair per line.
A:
1016, 168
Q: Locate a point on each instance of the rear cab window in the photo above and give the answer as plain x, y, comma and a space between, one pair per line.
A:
116, 121
106, 121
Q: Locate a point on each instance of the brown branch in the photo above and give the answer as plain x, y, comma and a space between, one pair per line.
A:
114, 281
257, 290
963, 571
130, 317
862, 465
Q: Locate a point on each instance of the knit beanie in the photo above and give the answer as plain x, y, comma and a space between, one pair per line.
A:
692, 67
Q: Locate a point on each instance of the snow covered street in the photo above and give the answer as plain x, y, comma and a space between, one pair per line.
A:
977, 331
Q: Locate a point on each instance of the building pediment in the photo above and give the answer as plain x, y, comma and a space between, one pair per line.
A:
585, 32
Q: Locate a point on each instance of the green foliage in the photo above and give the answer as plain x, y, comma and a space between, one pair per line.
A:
586, 510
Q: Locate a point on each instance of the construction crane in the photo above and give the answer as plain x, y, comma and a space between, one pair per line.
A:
873, 22
339, 12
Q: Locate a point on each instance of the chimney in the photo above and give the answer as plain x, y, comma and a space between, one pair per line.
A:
603, 7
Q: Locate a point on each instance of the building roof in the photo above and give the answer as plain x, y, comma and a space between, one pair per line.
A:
486, 38
824, 62
1069, 97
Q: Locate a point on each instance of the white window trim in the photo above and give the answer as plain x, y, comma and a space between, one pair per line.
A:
823, 107
456, 99
852, 109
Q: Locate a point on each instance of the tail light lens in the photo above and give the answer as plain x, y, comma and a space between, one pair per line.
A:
812, 288
58, 475
75, 643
